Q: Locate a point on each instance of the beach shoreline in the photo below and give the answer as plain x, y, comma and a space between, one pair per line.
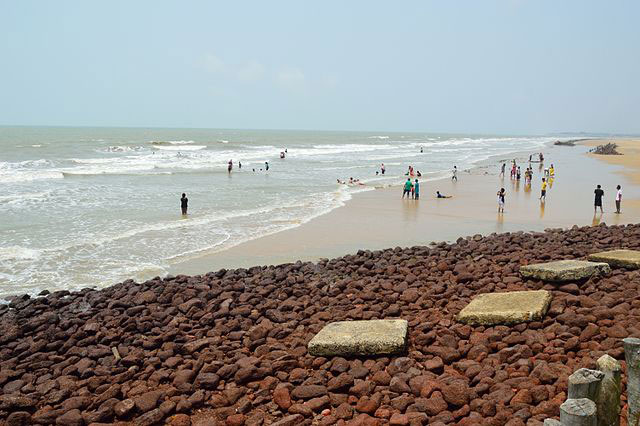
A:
378, 219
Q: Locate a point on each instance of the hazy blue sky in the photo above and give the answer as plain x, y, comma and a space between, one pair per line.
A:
458, 66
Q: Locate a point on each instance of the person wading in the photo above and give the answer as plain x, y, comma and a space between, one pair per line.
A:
184, 201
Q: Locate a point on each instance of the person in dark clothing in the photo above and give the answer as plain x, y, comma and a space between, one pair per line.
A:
184, 201
598, 200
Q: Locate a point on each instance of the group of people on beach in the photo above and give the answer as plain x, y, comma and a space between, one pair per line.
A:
547, 181
516, 175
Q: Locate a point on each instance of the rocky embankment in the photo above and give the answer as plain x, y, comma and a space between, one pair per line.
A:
229, 347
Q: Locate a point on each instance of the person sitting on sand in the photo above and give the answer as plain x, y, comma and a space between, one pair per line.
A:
439, 195
407, 188
599, 193
543, 190
184, 202
501, 200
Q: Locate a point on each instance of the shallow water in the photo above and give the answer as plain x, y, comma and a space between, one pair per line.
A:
94, 206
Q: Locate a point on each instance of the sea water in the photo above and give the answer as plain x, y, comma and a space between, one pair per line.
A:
89, 207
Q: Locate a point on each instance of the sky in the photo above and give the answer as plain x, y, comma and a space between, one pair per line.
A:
491, 66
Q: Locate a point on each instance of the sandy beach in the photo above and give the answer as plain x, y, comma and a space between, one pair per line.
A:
379, 219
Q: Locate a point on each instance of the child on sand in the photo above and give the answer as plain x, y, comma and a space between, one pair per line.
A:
543, 190
439, 195
501, 200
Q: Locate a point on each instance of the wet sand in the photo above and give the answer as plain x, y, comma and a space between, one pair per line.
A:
380, 219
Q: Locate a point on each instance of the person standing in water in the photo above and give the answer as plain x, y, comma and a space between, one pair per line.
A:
501, 200
618, 198
454, 173
382, 169
504, 166
239, 164
266, 166
597, 202
184, 202
416, 188
407, 188
230, 166
543, 190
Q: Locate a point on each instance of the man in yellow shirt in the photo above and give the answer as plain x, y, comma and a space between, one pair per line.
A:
543, 190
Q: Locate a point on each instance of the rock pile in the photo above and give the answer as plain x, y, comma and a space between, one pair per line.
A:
607, 149
230, 347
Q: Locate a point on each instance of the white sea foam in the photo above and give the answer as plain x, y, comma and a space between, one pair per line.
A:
180, 147
181, 142
18, 253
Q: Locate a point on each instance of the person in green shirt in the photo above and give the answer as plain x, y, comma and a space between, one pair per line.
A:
407, 188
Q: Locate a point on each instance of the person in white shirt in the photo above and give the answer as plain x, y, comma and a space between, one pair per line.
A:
618, 198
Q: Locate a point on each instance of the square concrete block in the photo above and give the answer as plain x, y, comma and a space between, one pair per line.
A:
511, 307
629, 259
354, 338
564, 270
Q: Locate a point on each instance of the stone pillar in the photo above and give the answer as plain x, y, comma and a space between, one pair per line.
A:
585, 383
578, 412
608, 401
632, 356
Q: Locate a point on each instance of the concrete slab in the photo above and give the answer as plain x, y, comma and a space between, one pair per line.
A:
355, 338
506, 308
629, 259
564, 270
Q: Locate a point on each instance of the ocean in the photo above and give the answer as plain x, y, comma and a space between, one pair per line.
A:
90, 207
